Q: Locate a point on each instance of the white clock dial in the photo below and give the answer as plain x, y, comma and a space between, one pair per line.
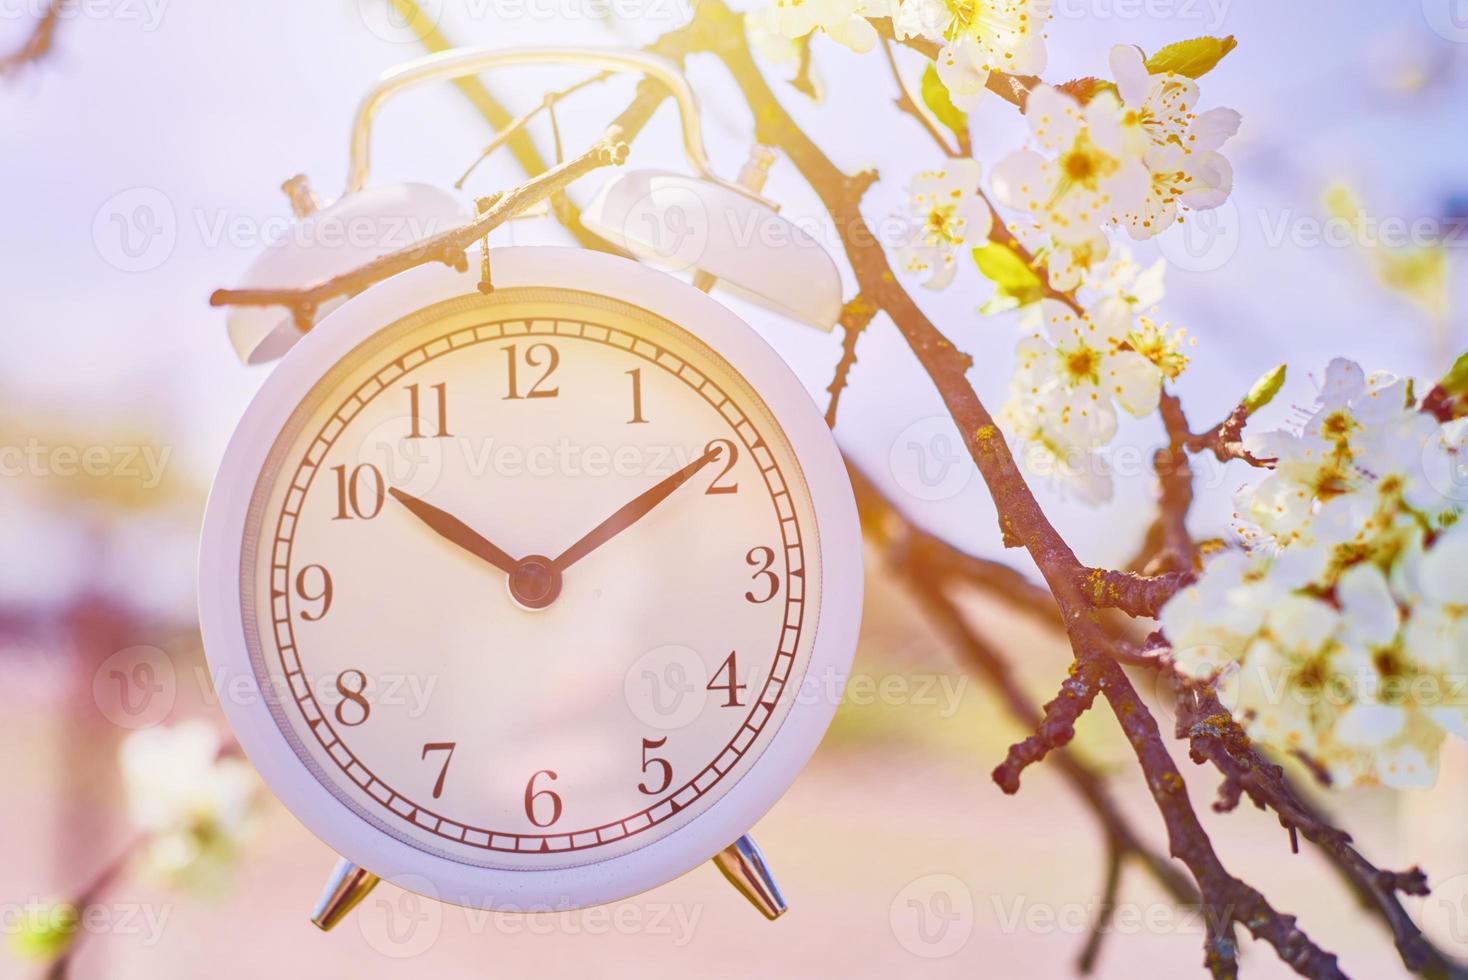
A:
460, 649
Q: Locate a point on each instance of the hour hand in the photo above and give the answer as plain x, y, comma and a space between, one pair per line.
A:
448, 526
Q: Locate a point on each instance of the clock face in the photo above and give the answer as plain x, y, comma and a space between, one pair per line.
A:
531, 579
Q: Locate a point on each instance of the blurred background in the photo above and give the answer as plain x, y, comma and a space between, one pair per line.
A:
142, 158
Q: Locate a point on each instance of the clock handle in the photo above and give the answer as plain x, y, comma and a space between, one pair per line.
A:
459, 62
345, 889
745, 868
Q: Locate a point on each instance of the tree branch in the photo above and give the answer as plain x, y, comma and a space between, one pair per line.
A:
521, 146
928, 582
1227, 899
855, 316
448, 247
38, 42
1136, 595
1056, 727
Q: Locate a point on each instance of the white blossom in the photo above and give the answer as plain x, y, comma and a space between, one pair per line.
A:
193, 804
1075, 371
845, 21
949, 217
977, 39
1070, 379
1080, 176
1178, 144
1344, 617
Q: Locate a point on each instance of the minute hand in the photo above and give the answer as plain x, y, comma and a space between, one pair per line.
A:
632, 511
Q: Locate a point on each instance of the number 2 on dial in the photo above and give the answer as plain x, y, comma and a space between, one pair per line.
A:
729, 454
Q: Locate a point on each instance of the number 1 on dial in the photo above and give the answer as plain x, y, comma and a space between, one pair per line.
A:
636, 375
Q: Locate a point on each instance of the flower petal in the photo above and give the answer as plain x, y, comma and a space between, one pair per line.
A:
1021, 180
958, 67
1130, 72
1368, 725
1133, 381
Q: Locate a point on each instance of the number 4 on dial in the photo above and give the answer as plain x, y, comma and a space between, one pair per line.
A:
730, 686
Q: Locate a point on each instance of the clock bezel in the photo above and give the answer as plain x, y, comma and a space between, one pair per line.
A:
836, 622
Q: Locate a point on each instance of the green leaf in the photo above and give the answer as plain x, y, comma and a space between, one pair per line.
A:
1194, 58
1264, 390
46, 931
1455, 382
1019, 284
940, 104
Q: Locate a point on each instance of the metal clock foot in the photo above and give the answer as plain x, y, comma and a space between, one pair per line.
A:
346, 887
743, 864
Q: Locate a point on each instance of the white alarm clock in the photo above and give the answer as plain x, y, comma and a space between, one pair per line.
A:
531, 596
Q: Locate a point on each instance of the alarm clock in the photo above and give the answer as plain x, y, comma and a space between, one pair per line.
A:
531, 594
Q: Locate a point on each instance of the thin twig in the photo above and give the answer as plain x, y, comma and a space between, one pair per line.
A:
906, 104
89, 895
855, 316
447, 247
893, 534
38, 43
1133, 594
804, 81
1110, 894
1056, 727
1014, 89
547, 104
521, 146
